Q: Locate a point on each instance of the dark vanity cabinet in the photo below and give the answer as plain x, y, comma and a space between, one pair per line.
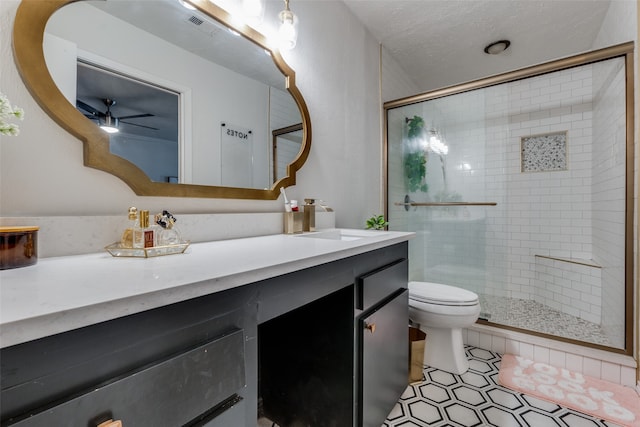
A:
299, 348
178, 365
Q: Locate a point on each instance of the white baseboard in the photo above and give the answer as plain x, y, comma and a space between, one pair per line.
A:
596, 363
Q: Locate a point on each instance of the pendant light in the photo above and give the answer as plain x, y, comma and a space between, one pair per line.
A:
288, 32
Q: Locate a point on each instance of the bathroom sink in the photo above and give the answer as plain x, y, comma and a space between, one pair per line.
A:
340, 234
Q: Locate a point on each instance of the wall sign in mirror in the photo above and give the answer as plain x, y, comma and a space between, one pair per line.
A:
165, 76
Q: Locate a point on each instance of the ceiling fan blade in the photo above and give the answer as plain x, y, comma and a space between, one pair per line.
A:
88, 108
136, 116
142, 126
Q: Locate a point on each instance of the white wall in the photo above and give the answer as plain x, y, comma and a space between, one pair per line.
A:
620, 25
396, 83
337, 71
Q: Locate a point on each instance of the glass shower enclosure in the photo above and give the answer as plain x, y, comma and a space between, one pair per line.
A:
520, 188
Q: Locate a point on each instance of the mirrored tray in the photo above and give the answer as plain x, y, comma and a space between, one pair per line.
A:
117, 250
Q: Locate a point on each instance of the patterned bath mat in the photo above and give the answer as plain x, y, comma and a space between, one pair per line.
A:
601, 399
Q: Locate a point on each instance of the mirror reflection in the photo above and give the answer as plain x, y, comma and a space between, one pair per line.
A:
191, 102
141, 119
287, 143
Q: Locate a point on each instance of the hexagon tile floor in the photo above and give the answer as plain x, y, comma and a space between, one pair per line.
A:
475, 399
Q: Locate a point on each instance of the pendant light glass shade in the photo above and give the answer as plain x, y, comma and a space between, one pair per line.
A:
288, 32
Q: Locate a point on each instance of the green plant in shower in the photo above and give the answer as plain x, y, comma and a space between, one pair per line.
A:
415, 162
415, 169
416, 126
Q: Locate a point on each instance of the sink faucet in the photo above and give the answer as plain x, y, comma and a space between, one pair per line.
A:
309, 220
323, 205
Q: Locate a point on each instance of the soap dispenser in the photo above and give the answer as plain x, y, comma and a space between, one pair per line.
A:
309, 220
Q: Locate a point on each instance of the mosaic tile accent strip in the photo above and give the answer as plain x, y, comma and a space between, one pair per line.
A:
544, 153
476, 399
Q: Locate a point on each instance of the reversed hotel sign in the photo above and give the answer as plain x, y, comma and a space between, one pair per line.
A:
236, 156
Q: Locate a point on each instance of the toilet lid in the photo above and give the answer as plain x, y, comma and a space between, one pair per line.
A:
437, 293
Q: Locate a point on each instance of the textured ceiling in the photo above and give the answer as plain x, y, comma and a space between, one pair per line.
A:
440, 43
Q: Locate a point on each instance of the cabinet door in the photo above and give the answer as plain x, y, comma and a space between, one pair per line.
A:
384, 359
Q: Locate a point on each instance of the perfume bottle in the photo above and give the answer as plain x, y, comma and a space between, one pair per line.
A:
127, 236
144, 236
167, 233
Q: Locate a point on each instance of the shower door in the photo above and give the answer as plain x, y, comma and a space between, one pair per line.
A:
522, 192
439, 186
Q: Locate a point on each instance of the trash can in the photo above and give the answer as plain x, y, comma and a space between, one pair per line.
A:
416, 354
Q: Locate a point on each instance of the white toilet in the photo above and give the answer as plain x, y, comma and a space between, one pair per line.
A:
441, 311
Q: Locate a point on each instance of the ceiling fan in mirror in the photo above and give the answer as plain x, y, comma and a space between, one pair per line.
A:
106, 120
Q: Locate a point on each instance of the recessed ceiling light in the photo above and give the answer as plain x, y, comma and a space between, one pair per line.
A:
498, 47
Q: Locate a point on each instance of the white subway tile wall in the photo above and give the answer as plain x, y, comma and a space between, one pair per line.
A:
569, 287
540, 213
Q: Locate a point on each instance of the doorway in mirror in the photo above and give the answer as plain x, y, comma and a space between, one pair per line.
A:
142, 118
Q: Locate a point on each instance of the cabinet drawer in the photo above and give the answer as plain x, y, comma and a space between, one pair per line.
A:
376, 285
169, 392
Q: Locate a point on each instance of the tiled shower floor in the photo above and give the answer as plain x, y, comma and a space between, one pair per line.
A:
475, 399
533, 316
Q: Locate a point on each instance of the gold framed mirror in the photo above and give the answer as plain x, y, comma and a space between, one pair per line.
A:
29, 31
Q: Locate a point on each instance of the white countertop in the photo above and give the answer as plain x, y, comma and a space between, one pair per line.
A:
64, 293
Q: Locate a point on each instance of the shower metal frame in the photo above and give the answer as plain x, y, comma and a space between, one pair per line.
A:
624, 50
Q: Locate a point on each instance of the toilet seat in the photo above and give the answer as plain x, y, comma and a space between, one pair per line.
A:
439, 294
